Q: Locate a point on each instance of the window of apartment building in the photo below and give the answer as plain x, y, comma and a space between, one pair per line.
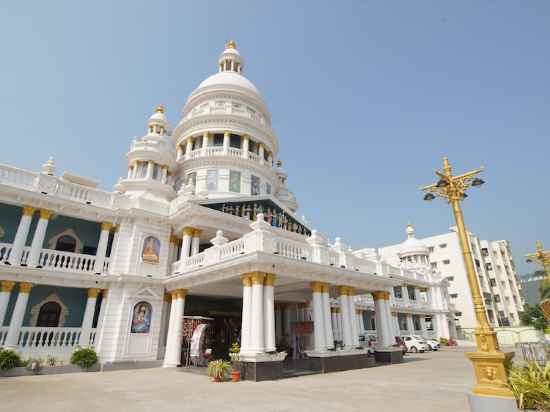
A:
450, 278
478, 265
212, 179
488, 266
453, 295
446, 261
235, 141
429, 323
433, 265
416, 322
497, 298
234, 181
254, 185
267, 188
411, 293
398, 292
402, 320
431, 249
492, 282
484, 251
217, 140
443, 245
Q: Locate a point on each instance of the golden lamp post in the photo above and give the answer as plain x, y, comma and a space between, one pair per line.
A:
490, 363
543, 257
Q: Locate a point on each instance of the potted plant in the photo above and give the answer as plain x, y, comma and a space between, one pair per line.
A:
218, 369
84, 357
235, 362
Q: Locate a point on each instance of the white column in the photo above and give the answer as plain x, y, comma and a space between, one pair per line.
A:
226, 138
205, 138
395, 323
179, 152
186, 242
98, 343
150, 165
329, 333
189, 148
269, 313
410, 324
423, 326
261, 153
346, 318
38, 238
195, 242
334, 322
165, 320
320, 344
21, 236
88, 318
102, 247
164, 174
257, 342
17, 316
172, 356
353, 316
5, 291
381, 320
246, 319
246, 144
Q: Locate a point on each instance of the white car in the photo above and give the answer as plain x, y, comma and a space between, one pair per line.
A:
415, 344
433, 344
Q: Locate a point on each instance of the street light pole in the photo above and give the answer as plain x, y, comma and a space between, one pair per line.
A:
543, 258
490, 363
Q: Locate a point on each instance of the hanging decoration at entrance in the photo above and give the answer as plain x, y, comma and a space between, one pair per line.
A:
199, 353
273, 214
141, 319
151, 250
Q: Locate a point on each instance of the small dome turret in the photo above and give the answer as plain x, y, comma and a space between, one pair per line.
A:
230, 60
413, 252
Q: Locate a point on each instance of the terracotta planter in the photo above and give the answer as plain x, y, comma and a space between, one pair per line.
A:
235, 376
216, 379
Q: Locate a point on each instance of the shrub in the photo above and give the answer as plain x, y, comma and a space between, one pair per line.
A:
9, 359
84, 357
218, 369
51, 360
444, 341
531, 386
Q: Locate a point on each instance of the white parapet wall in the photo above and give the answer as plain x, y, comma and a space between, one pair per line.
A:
510, 335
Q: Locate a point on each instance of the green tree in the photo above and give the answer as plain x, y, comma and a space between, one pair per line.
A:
532, 316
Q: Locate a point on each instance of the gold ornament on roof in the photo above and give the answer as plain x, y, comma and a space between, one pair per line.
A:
230, 44
160, 108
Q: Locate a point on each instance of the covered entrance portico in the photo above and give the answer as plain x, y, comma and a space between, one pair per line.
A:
277, 291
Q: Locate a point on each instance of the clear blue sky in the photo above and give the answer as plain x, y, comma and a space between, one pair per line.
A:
366, 98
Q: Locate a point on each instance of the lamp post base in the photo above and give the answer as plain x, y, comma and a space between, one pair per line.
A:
491, 373
545, 307
491, 404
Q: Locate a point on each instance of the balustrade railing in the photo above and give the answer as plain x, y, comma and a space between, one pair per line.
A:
35, 341
3, 334
219, 151
292, 249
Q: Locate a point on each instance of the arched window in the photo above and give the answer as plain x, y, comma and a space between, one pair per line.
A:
66, 243
49, 315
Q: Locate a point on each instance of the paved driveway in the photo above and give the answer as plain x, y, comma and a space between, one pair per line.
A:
429, 382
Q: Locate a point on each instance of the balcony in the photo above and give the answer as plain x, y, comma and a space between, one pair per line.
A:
231, 152
57, 260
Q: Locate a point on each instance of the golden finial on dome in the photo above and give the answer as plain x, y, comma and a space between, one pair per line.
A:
160, 108
230, 44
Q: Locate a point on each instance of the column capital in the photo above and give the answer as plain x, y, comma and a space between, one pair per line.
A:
93, 292
270, 279
25, 287
106, 226
257, 278
178, 293
46, 214
316, 287
28, 210
197, 232
352, 291
7, 285
226, 133
343, 290
167, 297
247, 280
205, 134
174, 239
104, 292
188, 231
380, 295
325, 288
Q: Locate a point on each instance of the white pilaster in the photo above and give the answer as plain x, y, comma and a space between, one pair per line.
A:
5, 291
195, 243
205, 139
320, 343
346, 318
21, 236
257, 341
172, 357
188, 148
329, 332
226, 138
102, 247
334, 322
246, 319
353, 318
150, 165
246, 145
269, 313
38, 238
17, 316
186, 242
88, 318
261, 153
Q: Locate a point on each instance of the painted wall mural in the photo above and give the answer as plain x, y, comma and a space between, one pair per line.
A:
151, 250
141, 319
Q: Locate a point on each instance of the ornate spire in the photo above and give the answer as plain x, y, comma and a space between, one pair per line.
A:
410, 231
230, 60
230, 44
160, 108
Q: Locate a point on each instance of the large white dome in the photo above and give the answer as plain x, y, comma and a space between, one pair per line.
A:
228, 79
413, 246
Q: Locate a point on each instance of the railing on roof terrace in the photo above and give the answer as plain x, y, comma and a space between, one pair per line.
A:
53, 185
219, 151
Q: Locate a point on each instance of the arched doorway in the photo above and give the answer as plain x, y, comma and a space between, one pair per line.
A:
66, 243
49, 315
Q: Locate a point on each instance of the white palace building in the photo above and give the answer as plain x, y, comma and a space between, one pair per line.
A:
202, 231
